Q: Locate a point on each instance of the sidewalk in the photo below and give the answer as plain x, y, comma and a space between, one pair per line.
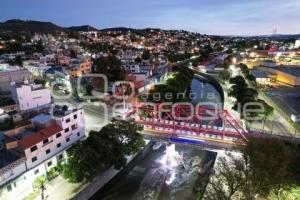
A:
59, 188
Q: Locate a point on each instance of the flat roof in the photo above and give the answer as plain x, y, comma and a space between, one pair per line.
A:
41, 118
295, 71
260, 74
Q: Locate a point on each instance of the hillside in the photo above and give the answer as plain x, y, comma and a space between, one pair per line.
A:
16, 25
82, 28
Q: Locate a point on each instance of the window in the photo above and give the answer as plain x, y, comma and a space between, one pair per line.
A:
78, 134
47, 151
66, 130
58, 145
45, 141
58, 135
36, 171
67, 139
74, 126
75, 116
68, 120
34, 148
33, 159
9, 188
49, 163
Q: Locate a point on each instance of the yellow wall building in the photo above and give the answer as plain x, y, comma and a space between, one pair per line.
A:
285, 74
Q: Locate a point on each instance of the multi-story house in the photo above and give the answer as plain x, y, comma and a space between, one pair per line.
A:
39, 148
131, 68
63, 60
79, 67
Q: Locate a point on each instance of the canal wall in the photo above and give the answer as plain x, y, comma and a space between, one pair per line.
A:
123, 172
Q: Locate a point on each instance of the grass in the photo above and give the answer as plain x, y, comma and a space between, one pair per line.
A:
296, 192
293, 194
295, 125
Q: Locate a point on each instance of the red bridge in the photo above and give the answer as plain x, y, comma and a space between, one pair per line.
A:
182, 120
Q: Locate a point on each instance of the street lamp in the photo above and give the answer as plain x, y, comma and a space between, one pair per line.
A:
234, 61
295, 119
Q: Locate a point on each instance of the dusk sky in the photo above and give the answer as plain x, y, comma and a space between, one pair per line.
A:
223, 17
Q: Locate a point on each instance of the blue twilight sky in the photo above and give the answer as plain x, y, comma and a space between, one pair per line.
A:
225, 17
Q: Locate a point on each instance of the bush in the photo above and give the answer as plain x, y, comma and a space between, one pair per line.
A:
53, 173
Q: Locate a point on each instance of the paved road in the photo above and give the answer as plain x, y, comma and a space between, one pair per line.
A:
95, 116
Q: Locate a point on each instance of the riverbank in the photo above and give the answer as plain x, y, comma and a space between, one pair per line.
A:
152, 177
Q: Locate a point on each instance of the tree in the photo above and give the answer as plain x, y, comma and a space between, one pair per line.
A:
262, 169
138, 60
269, 161
243, 95
8, 124
224, 75
39, 186
238, 80
229, 51
244, 68
177, 82
74, 35
97, 47
39, 47
40, 81
102, 149
250, 77
146, 55
228, 181
110, 66
17, 61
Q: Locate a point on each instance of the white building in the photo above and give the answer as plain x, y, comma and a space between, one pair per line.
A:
132, 68
10, 74
297, 44
42, 150
30, 96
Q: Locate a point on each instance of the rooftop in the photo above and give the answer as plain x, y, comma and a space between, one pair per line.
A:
33, 86
7, 156
39, 136
61, 111
41, 118
295, 71
259, 74
7, 68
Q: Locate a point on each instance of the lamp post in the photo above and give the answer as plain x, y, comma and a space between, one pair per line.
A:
295, 119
